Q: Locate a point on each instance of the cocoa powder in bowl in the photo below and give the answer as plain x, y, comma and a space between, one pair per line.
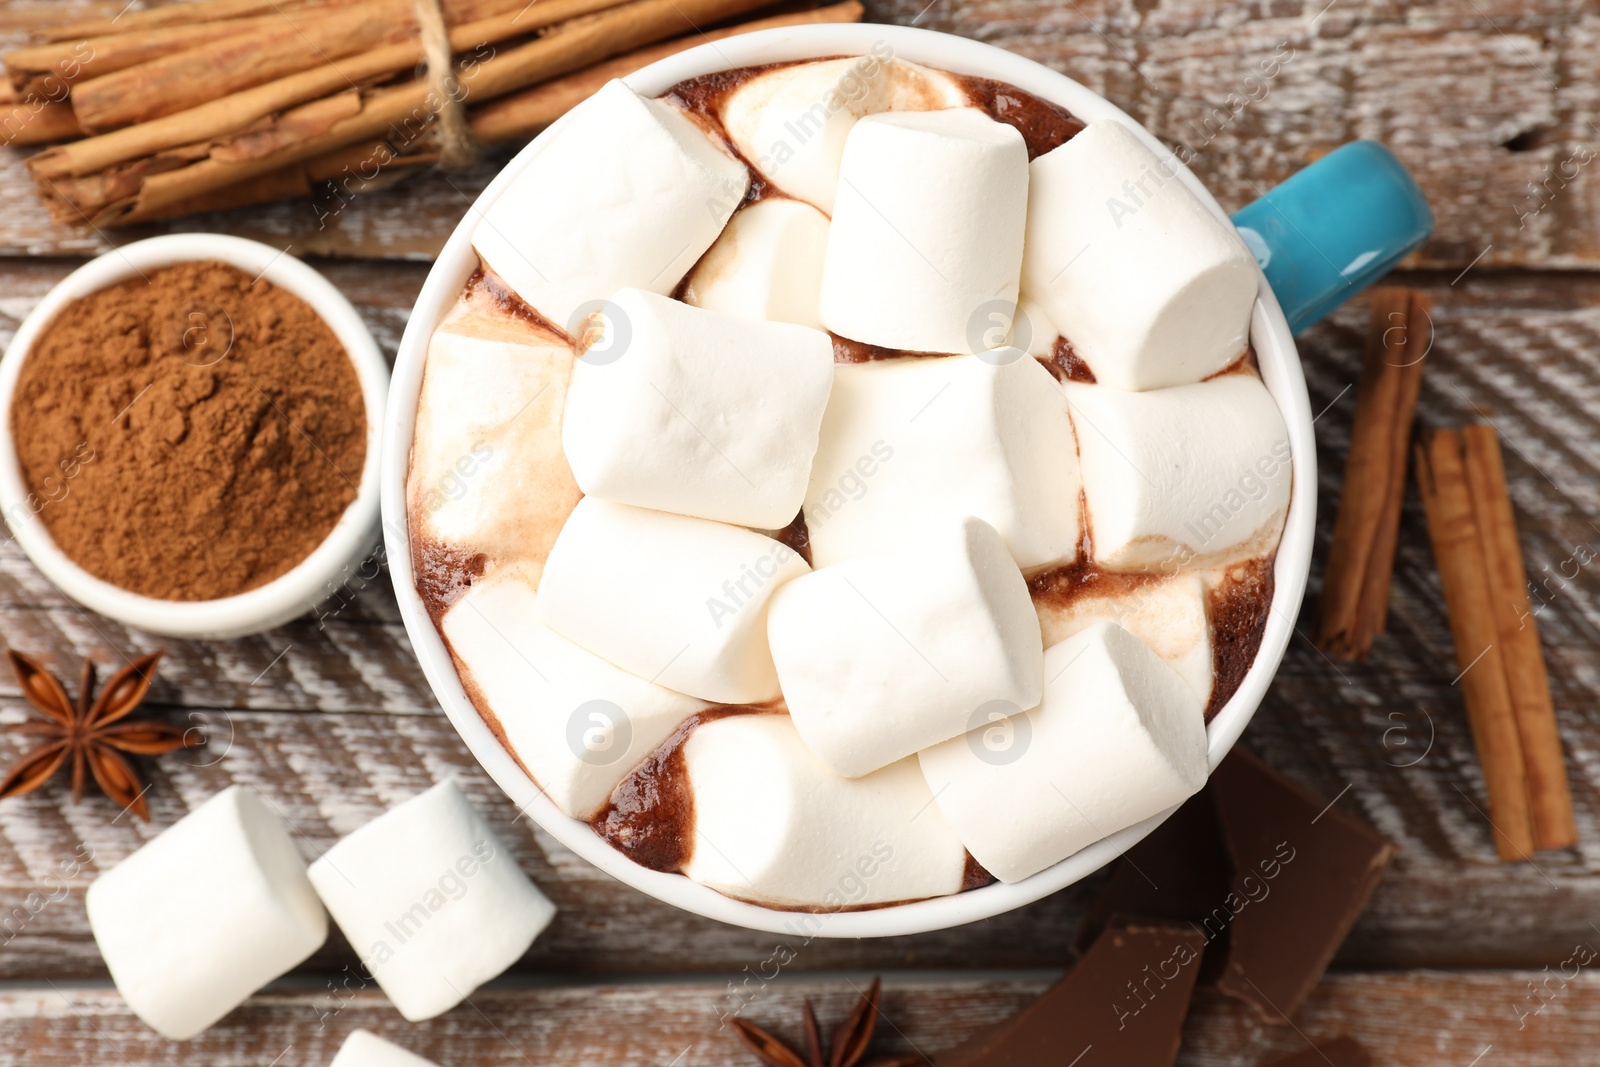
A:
191, 434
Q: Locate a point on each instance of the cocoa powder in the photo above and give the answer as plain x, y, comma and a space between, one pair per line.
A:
189, 435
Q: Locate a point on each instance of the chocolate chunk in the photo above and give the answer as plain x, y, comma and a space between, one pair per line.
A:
1123, 1003
1340, 1052
1312, 867
1268, 874
1180, 874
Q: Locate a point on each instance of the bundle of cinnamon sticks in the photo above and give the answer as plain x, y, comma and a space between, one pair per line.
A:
218, 103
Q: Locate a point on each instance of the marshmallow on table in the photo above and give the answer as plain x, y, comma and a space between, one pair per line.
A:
766, 265
205, 914
912, 444
487, 470
1183, 476
698, 413
627, 191
927, 231
1151, 288
431, 900
365, 1049
679, 601
1168, 614
791, 122
1119, 738
575, 722
883, 655
773, 825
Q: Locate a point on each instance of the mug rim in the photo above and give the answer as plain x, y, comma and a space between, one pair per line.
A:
295, 591
1280, 371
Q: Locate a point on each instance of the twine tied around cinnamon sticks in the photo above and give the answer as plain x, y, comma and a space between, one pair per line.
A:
457, 147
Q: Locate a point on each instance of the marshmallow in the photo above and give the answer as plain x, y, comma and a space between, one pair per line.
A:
775, 826
205, 914
883, 655
626, 191
927, 231
1184, 476
1151, 288
679, 601
1118, 738
1031, 329
487, 471
791, 122
766, 265
698, 413
432, 901
913, 444
1168, 614
365, 1049
576, 723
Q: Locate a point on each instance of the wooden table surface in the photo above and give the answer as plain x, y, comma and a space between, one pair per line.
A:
1491, 103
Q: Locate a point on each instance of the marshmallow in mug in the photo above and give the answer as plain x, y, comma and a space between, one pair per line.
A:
883, 655
208, 912
927, 234
365, 1049
1151, 288
1118, 738
1184, 476
1168, 613
920, 443
680, 601
697, 412
616, 196
431, 899
791, 122
766, 265
486, 462
575, 722
773, 825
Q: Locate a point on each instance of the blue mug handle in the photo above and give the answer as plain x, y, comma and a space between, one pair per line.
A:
1334, 228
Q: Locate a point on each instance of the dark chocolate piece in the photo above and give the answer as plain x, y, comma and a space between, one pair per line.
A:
1180, 874
1340, 1052
1271, 877
1121, 1005
1313, 868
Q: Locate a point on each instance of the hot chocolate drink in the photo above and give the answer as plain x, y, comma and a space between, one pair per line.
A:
846, 482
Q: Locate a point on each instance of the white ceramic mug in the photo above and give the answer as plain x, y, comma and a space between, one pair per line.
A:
1280, 369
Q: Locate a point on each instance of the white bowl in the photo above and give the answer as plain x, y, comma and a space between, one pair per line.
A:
1280, 368
309, 582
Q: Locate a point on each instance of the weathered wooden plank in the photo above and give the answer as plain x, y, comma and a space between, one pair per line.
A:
1493, 106
1407, 1019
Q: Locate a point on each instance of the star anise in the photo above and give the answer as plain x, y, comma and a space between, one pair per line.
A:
93, 733
847, 1049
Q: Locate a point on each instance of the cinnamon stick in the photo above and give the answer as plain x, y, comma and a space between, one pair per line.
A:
46, 69
1549, 795
174, 15
236, 112
294, 42
37, 122
401, 114
1355, 587
523, 114
1463, 572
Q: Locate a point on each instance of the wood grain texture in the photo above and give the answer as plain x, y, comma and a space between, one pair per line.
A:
1404, 1019
1493, 104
